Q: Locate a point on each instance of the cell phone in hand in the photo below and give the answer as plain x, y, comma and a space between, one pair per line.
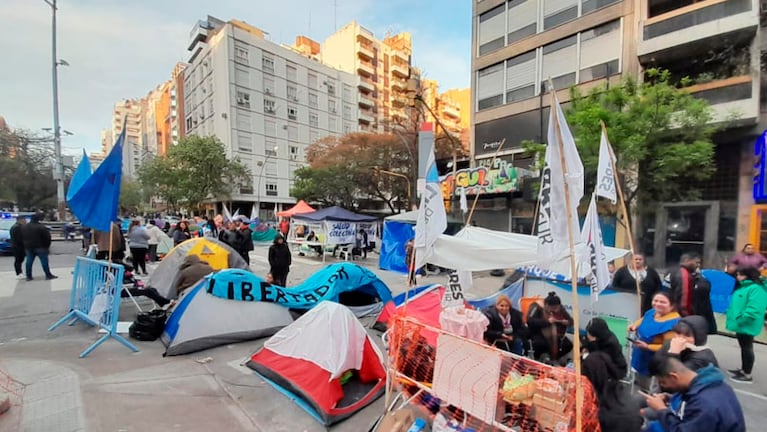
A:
644, 394
632, 339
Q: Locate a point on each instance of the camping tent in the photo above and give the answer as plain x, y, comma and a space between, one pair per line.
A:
164, 245
218, 254
308, 359
334, 226
300, 207
344, 282
202, 321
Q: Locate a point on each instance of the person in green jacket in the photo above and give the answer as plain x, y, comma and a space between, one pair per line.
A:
745, 317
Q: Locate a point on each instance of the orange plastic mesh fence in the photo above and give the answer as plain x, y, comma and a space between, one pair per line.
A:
15, 391
496, 390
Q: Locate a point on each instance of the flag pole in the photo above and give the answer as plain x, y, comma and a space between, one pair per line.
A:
625, 214
573, 272
476, 197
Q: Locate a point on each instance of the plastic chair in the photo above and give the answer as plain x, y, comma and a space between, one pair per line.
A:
345, 252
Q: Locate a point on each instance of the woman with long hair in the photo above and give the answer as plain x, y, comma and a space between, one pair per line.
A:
505, 330
652, 330
181, 233
138, 239
548, 327
745, 317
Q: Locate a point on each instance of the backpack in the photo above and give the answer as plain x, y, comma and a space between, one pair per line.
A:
148, 326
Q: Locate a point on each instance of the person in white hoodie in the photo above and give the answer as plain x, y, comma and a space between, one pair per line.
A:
154, 239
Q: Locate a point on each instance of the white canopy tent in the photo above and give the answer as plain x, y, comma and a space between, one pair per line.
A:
480, 249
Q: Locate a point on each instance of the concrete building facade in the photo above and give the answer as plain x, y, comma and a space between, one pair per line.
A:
265, 102
519, 44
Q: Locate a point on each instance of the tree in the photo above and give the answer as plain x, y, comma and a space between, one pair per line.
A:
661, 135
131, 196
26, 162
193, 171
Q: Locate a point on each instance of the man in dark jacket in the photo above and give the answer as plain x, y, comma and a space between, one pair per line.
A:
683, 284
707, 402
689, 346
701, 301
279, 260
17, 245
649, 280
243, 239
37, 242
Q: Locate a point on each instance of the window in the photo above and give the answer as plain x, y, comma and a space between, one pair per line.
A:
292, 113
522, 19
294, 152
520, 77
243, 120
560, 60
347, 112
210, 107
244, 142
267, 63
269, 85
269, 148
292, 93
292, 132
347, 128
347, 92
241, 76
270, 168
332, 106
292, 73
491, 31
600, 51
490, 86
247, 188
270, 106
271, 189
189, 123
556, 12
331, 88
313, 100
314, 119
590, 5
312, 81
243, 99
270, 128
332, 123
241, 54
313, 136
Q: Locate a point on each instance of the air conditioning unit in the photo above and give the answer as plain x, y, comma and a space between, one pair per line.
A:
268, 91
269, 110
294, 98
293, 157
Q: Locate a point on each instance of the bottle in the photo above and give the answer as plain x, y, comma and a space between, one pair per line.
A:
418, 425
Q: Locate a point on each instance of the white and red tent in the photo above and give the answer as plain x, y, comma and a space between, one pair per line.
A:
309, 359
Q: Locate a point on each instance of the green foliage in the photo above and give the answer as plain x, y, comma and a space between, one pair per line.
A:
26, 176
194, 170
659, 132
329, 186
131, 196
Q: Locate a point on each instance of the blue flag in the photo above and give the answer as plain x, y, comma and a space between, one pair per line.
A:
95, 202
82, 174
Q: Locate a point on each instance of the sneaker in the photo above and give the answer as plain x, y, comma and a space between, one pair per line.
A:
49, 277
735, 372
20, 276
742, 378
29, 279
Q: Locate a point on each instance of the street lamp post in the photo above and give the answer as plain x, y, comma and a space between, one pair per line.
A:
260, 176
395, 174
59, 169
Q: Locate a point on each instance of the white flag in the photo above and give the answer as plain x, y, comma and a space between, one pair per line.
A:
227, 215
253, 213
464, 203
458, 283
552, 216
605, 174
432, 218
597, 273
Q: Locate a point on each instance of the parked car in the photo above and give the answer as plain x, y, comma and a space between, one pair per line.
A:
5, 231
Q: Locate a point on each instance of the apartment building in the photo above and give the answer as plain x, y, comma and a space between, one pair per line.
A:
519, 44
444, 110
383, 68
265, 102
131, 111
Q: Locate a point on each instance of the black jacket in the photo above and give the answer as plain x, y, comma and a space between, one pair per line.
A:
606, 342
36, 236
279, 257
17, 238
694, 359
701, 301
624, 281
495, 327
244, 240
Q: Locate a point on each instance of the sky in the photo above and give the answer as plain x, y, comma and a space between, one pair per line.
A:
122, 49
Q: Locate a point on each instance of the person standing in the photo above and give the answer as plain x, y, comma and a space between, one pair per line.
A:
747, 257
409, 263
37, 243
636, 270
139, 245
284, 227
362, 242
110, 240
17, 245
652, 330
243, 239
745, 317
682, 283
280, 260
154, 239
181, 233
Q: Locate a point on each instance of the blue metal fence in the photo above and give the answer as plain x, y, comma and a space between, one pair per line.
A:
95, 299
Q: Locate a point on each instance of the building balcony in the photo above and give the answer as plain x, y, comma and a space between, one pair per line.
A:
366, 101
451, 111
198, 48
365, 69
199, 33
366, 85
365, 51
399, 101
366, 36
733, 99
401, 56
697, 24
366, 117
400, 70
398, 84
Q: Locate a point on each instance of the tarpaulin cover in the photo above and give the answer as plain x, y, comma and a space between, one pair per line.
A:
334, 213
395, 236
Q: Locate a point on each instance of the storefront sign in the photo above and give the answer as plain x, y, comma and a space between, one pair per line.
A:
340, 232
502, 177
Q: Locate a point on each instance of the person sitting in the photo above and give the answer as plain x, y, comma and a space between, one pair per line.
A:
192, 269
599, 339
505, 329
654, 328
705, 401
548, 326
312, 237
689, 344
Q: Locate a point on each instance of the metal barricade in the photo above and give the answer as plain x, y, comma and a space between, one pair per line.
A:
95, 299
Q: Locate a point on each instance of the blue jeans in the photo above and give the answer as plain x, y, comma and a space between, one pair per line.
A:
43, 255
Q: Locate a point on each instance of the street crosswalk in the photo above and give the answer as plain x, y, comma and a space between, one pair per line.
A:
9, 285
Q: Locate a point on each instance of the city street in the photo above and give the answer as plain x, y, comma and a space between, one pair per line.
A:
115, 390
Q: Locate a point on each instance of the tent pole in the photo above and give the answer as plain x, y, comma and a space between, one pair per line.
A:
476, 197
